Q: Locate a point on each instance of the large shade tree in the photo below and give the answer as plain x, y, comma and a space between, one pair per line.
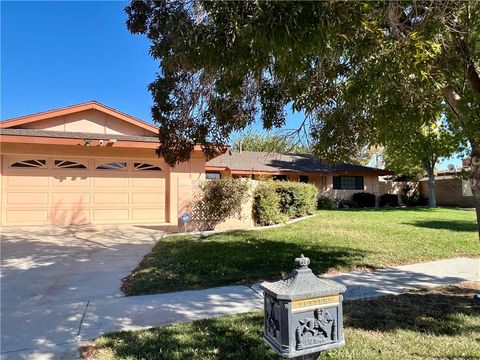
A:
423, 147
360, 71
256, 141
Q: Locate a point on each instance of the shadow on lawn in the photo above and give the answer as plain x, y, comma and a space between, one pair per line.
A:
219, 338
453, 225
239, 260
438, 311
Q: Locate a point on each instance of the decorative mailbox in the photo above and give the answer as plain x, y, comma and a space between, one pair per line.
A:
303, 313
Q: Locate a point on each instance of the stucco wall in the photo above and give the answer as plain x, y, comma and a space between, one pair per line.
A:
370, 185
89, 121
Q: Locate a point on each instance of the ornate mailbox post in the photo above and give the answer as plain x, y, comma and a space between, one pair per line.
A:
303, 313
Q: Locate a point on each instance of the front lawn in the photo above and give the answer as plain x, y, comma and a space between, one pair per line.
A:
340, 240
442, 323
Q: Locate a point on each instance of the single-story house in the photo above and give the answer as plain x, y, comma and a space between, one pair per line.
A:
336, 181
89, 163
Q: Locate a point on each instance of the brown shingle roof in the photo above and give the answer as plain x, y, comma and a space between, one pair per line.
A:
274, 162
76, 135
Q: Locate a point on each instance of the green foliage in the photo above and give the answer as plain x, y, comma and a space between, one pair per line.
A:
324, 202
362, 72
218, 200
347, 204
296, 199
417, 153
255, 141
266, 205
364, 199
413, 199
277, 201
388, 200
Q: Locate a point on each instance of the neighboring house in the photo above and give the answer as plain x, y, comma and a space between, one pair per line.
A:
89, 163
339, 181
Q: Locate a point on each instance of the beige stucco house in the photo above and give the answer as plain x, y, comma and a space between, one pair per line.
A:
337, 181
89, 163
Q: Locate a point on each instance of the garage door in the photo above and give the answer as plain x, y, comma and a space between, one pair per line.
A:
38, 190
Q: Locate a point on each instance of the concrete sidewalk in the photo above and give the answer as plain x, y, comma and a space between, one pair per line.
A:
56, 331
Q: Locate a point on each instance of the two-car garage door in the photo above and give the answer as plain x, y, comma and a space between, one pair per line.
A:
38, 190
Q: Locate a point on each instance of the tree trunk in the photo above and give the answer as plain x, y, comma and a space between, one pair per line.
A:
429, 168
475, 180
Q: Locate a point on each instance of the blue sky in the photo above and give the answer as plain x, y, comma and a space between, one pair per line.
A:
55, 54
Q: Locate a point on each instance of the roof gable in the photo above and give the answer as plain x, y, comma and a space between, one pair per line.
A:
91, 117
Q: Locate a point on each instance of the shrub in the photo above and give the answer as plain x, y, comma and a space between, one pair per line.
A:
415, 199
266, 205
324, 202
218, 200
347, 204
390, 200
364, 199
275, 202
296, 199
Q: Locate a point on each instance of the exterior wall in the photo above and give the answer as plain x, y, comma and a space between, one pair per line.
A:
89, 121
324, 183
182, 186
370, 185
127, 183
450, 192
397, 187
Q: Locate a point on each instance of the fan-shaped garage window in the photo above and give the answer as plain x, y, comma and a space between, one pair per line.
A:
68, 164
120, 165
146, 167
30, 164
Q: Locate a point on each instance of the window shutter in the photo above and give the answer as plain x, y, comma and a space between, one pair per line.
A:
359, 182
336, 182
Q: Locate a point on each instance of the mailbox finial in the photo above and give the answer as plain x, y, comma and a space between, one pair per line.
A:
302, 262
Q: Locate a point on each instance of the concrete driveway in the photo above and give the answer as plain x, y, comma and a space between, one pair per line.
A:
50, 274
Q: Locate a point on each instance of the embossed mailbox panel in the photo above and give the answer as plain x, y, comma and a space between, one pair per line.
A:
303, 313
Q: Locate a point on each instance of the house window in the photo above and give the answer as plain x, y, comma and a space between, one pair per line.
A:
303, 179
145, 167
280, 177
213, 176
30, 164
68, 164
120, 165
348, 182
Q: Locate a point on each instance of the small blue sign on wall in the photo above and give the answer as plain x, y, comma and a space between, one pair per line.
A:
185, 218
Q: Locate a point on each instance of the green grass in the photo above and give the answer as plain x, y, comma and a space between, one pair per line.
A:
442, 323
333, 240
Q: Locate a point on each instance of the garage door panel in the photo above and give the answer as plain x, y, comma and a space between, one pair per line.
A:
150, 182
27, 181
100, 198
110, 215
34, 217
147, 198
48, 195
69, 216
64, 198
153, 214
110, 182
70, 181
26, 198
